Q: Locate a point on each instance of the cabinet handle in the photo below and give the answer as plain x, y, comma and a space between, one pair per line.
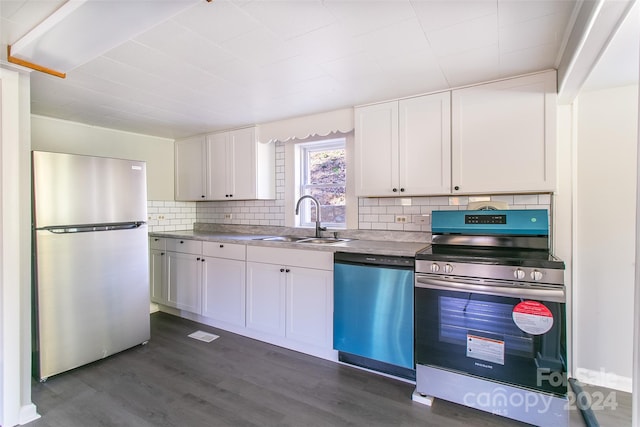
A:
456, 188
395, 190
202, 260
155, 240
161, 253
287, 270
181, 241
282, 270
197, 259
202, 196
222, 246
402, 190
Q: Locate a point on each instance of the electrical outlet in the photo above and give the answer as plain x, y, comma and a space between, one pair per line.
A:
401, 219
228, 216
421, 219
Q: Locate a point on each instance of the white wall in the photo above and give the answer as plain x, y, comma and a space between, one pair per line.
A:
563, 215
15, 251
604, 252
49, 134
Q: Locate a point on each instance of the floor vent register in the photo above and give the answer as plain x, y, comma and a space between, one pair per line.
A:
203, 336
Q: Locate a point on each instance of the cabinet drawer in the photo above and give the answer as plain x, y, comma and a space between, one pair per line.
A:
224, 250
292, 257
158, 243
185, 246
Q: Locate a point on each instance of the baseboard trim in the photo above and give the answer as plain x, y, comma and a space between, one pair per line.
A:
604, 379
28, 413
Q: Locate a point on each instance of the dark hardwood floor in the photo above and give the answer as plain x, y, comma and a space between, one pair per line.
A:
175, 380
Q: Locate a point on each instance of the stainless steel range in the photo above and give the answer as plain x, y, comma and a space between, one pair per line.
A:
490, 315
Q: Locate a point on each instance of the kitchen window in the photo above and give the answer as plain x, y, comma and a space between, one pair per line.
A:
321, 173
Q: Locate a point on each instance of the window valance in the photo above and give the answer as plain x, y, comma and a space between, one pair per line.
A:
321, 124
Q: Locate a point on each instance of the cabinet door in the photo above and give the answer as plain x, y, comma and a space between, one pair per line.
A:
376, 150
242, 161
190, 169
309, 308
223, 290
266, 298
158, 284
503, 136
184, 281
217, 166
425, 145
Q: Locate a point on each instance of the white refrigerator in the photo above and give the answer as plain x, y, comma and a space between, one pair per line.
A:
90, 259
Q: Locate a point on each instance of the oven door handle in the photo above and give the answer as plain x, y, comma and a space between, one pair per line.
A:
541, 294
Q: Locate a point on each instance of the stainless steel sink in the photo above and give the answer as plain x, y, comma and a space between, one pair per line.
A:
298, 239
323, 240
283, 238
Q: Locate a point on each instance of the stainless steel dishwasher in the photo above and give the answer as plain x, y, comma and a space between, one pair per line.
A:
373, 312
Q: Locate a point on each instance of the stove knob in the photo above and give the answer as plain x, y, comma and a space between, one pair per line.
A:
448, 268
434, 268
536, 275
518, 274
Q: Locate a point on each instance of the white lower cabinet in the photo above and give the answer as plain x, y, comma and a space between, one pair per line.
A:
157, 270
309, 306
184, 272
266, 298
290, 294
223, 284
279, 295
175, 273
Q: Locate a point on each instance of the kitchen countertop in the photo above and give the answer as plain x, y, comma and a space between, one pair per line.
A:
376, 247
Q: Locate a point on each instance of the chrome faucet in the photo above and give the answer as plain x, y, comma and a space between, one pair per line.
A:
319, 229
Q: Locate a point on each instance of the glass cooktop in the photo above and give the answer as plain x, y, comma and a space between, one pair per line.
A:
495, 256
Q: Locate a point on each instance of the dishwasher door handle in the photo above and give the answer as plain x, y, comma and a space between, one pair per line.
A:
551, 294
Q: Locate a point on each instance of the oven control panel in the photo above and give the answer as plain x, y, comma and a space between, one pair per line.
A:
485, 219
527, 222
492, 272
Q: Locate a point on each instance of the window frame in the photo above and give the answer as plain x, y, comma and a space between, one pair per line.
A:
302, 172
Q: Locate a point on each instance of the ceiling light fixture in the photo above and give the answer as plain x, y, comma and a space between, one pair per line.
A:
81, 30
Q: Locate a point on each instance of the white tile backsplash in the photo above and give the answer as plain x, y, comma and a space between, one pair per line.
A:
373, 213
170, 216
381, 213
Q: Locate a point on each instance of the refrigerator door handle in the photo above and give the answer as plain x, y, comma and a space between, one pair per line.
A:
94, 227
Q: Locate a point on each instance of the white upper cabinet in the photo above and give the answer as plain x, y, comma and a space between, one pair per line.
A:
232, 165
425, 144
241, 167
376, 150
503, 136
491, 138
190, 169
403, 147
216, 160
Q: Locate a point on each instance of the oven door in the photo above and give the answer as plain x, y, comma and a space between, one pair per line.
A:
492, 329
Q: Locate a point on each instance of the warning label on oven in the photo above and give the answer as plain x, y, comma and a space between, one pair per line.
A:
486, 349
532, 317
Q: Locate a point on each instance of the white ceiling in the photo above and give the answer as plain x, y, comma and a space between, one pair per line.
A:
619, 64
228, 63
